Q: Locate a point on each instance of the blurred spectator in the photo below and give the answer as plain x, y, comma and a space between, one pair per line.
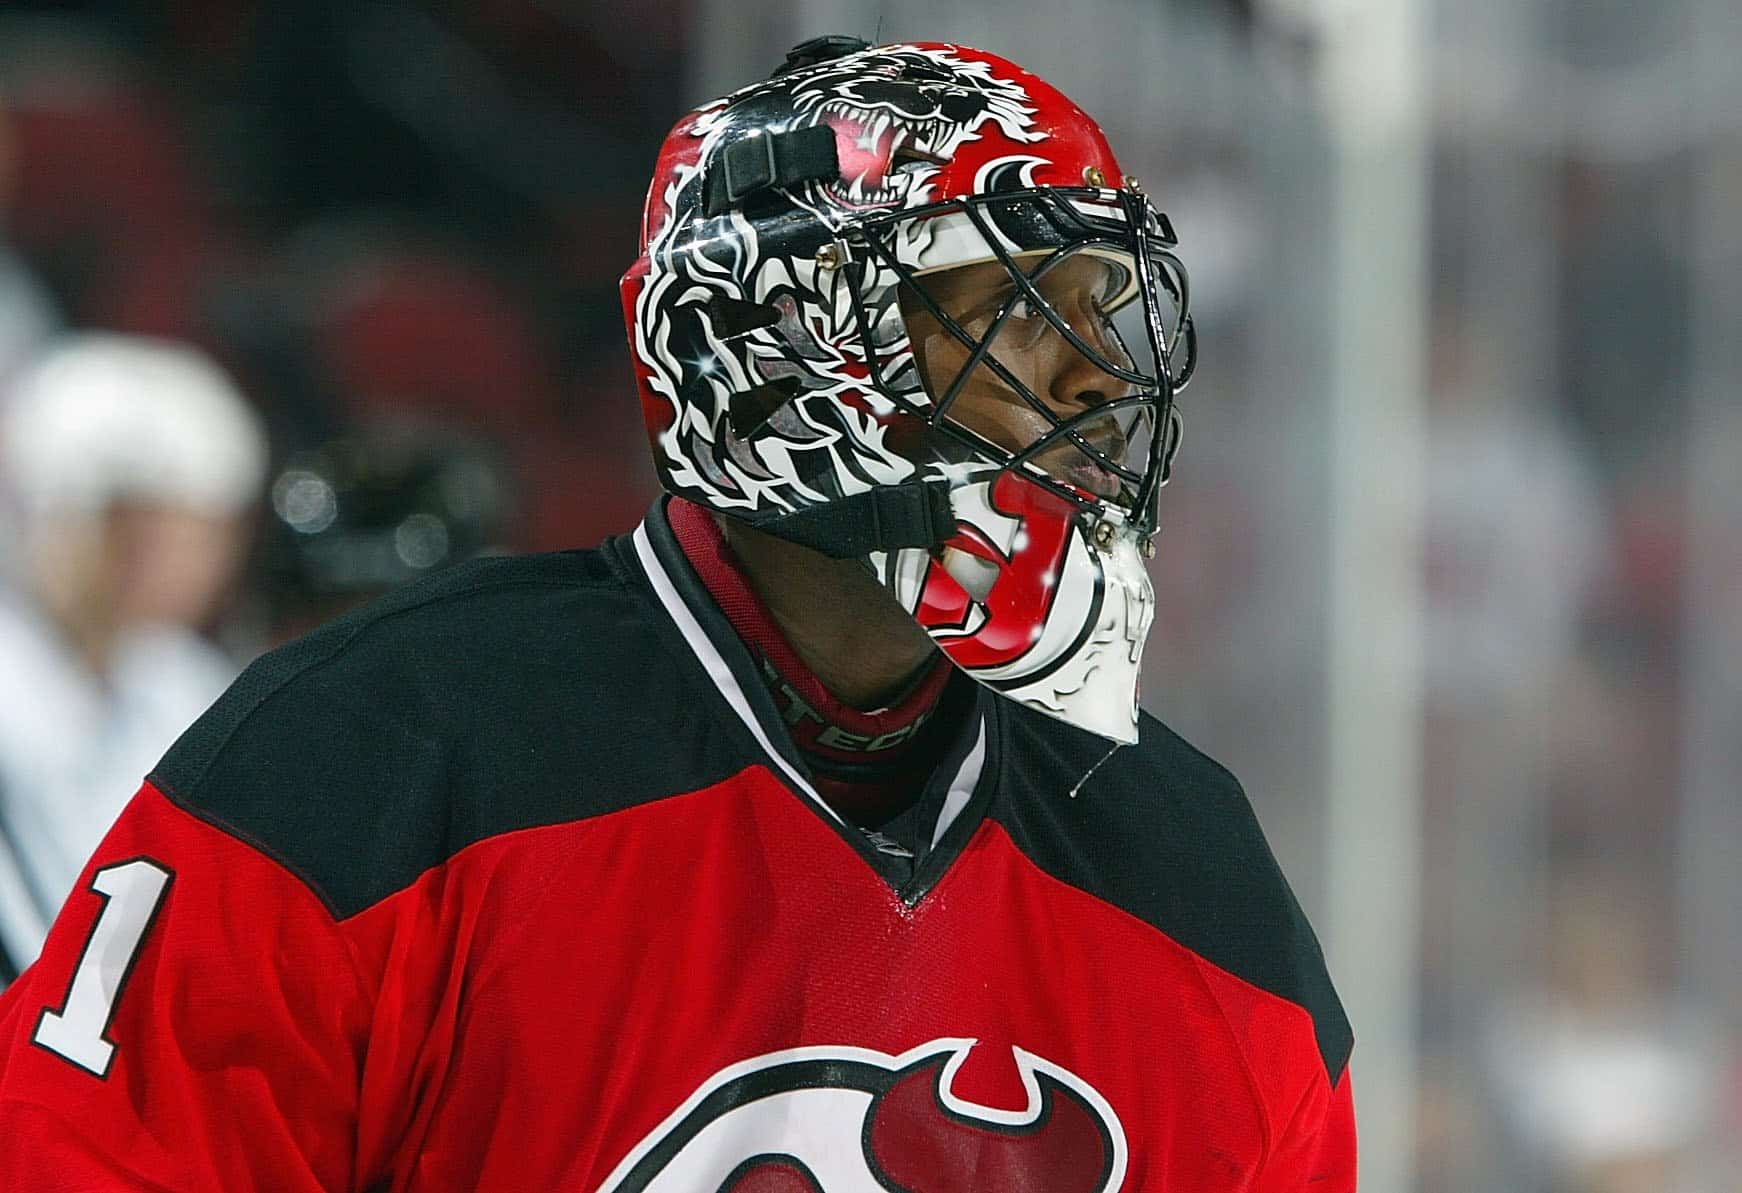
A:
1516, 534
1602, 1077
130, 465
1516, 539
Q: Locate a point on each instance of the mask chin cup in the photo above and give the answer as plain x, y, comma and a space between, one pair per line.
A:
1043, 605
1095, 687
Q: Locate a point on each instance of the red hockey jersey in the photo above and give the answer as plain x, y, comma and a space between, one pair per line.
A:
514, 881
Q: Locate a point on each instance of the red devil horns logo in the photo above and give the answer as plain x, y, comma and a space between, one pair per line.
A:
1005, 625
824, 1120
920, 1146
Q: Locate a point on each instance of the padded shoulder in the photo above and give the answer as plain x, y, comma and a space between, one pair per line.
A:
497, 695
1165, 833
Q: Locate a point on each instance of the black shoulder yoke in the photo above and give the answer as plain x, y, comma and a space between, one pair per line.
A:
1166, 834
498, 695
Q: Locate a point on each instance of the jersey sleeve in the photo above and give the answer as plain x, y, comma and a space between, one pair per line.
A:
196, 1020
1316, 1151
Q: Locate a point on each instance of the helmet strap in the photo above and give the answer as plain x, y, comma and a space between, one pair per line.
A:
913, 514
753, 164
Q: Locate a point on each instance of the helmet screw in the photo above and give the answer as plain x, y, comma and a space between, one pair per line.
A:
1092, 176
1146, 548
830, 256
1103, 534
1131, 184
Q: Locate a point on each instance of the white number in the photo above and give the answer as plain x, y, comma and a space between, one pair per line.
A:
131, 892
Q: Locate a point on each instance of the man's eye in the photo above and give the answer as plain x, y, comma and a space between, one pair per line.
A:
1025, 325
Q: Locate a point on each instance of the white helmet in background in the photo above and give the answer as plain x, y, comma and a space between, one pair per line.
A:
102, 418
127, 467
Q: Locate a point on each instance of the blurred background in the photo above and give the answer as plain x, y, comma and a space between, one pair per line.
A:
1451, 572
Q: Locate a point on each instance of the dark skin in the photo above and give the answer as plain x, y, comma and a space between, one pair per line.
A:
874, 653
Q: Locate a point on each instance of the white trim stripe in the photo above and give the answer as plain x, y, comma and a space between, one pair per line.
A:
714, 663
962, 788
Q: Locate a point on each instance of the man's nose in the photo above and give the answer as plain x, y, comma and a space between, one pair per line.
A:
1075, 382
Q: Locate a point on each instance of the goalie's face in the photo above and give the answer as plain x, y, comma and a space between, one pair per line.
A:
973, 383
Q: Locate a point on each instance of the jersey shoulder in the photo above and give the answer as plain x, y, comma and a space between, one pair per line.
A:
501, 694
1165, 833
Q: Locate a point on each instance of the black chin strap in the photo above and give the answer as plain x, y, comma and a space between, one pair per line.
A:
915, 514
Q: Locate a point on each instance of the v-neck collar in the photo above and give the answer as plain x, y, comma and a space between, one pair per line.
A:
960, 788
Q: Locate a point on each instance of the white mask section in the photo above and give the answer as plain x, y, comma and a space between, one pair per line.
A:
1094, 686
1037, 600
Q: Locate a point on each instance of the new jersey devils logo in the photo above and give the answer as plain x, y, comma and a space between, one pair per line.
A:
1018, 548
851, 1120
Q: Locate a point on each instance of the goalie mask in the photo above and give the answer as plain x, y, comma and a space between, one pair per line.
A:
899, 304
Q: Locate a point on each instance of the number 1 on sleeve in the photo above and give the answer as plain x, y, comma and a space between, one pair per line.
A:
77, 1030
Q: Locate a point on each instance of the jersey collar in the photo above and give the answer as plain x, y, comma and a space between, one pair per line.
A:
959, 789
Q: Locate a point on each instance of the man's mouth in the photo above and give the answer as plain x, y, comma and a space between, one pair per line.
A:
1094, 479
1063, 462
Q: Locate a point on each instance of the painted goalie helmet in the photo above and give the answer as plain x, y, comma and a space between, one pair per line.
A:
900, 304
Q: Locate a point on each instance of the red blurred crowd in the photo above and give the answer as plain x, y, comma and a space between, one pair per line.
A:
296, 302
359, 211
